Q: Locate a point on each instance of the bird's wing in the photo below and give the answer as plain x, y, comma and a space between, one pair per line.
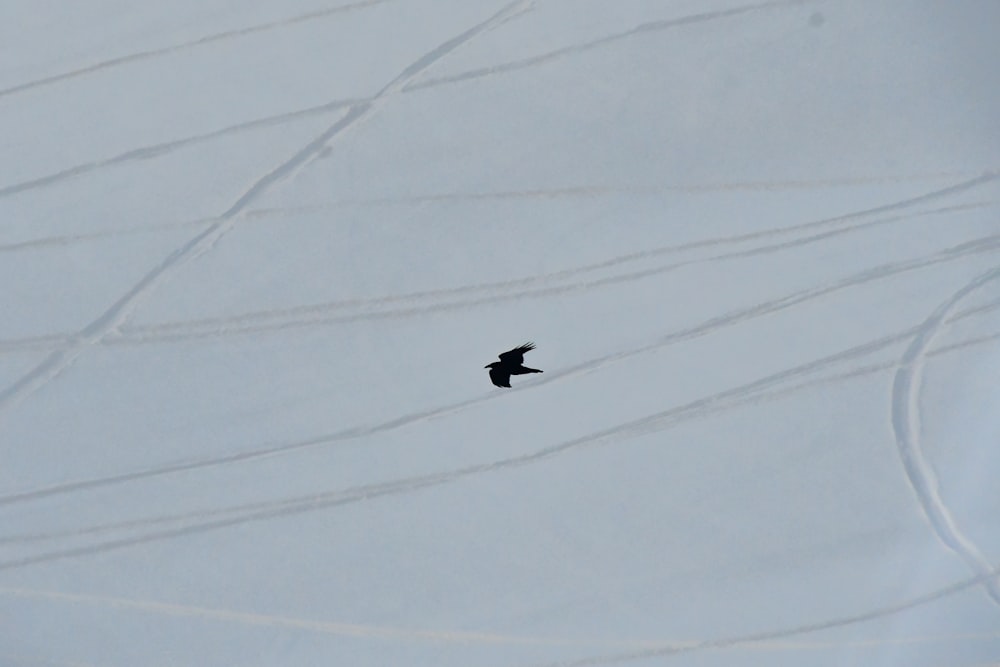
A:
500, 377
516, 356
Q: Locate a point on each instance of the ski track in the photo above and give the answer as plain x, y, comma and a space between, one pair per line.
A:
146, 152
662, 650
293, 502
70, 239
23, 661
669, 650
151, 151
292, 211
327, 314
927, 197
905, 395
905, 402
121, 310
157, 150
385, 426
47, 343
305, 502
392, 633
767, 388
340, 629
184, 46
210, 327
411, 418
317, 315
987, 307
643, 28
602, 191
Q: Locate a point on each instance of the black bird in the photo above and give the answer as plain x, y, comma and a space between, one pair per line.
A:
511, 363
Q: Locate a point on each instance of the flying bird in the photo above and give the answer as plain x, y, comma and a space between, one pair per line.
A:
511, 363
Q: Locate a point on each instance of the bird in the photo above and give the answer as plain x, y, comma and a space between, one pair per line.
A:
511, 363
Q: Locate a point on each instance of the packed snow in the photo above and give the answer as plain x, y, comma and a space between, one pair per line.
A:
255, 256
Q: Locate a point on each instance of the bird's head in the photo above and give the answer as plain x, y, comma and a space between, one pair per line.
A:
493, 365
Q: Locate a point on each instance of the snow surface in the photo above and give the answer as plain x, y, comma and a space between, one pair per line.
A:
255, 255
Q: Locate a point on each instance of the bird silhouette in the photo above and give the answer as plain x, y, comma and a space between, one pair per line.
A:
511, 363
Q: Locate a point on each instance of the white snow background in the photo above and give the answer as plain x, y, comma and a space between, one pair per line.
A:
254, 256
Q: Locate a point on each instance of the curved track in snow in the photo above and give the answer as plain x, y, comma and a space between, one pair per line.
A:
906, 425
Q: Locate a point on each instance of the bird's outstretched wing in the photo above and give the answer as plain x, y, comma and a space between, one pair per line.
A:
500, 377
516, 356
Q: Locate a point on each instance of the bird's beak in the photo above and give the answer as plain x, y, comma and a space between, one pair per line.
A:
487, 366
